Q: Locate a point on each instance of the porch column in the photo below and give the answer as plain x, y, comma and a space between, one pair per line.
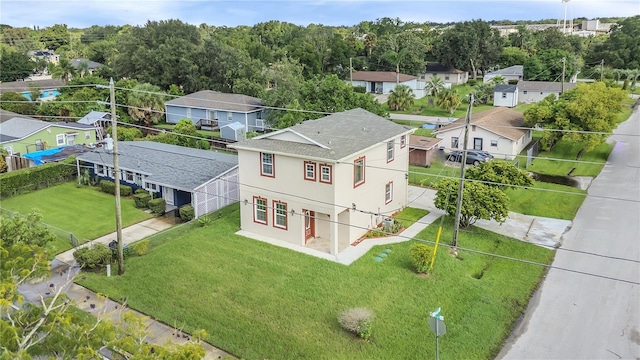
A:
333, 232
78, 169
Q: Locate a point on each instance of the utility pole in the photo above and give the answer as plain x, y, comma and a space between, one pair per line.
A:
564, 65
351, 70
456, 226
601, 69
116, 175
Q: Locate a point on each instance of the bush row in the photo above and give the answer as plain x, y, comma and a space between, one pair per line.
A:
109, 187
30, 179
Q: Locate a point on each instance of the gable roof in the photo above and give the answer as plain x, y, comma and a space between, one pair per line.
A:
499, 120
423, 142
20, 127
436, 67
175, 166
209, 99
332, 137
94, 116
380, 76
505, 88
515, 70
91, 64
544, 86
22, 86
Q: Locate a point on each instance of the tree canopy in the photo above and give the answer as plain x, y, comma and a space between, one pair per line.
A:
479, 201
621, 50
14, 66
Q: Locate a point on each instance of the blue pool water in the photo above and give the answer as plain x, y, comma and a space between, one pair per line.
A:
43, 94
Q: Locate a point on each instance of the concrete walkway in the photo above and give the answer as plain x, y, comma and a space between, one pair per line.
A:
64, 270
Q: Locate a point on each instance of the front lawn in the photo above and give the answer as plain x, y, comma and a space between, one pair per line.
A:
260, 301
537, 201
551, 162
86, 212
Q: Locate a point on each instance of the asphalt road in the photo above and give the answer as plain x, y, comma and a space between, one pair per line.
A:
577, 316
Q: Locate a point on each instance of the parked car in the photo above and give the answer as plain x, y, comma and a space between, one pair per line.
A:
473, 156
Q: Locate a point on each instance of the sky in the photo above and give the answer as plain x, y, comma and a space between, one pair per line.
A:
85, 13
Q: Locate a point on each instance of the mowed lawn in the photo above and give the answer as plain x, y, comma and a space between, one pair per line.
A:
86, 212
546, 200
260, 301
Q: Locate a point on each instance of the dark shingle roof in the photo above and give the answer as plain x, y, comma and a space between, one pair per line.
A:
505, 88
332, 137
209, 99
499, 120
175, 166
91, 64
380, 76
436, 67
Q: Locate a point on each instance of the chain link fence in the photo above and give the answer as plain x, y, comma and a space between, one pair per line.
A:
60, 233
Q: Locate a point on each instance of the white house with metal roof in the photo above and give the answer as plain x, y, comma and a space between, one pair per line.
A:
499, 131
209, 109
204, 179
322, 184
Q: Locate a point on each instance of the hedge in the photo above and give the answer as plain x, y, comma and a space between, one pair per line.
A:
109, 187
30, 179
142, 199
187, 213
158, 206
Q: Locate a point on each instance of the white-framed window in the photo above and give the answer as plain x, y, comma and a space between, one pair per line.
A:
358, 171
259, 210
267, 163
280, 214
212, 114
138, 180
454, 142
403, 141
325, 173
129, 176
71, 139
390, 148
388, 192
60, 139
151, 187
230, 116
87, 135
101, 170
310, 170
494, 142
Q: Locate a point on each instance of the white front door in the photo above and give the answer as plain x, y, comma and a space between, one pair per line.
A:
167, 195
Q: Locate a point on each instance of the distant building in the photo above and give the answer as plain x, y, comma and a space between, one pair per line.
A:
534, 91
47, 55
382, 82
505, 95
511, 73
448, 74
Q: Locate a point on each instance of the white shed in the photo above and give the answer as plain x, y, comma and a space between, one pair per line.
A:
234, 131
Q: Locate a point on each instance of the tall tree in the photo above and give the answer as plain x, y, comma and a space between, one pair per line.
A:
434, 86
401, 98
14, 66
512, 56
55, 36
145, 104
622, 48
448, 99
63, 70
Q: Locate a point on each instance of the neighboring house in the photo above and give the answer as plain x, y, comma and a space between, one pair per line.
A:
101, 120
91, 65
448, 74
512, 73
48, 88
505, 95
323, 183
422, 149
209, 109
382, 82
534, 91
204, 179
499, 131
47, 55
21, 134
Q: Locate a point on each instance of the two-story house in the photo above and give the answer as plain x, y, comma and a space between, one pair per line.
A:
323, 183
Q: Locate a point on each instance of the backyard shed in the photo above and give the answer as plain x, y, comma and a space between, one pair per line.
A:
234, 131
422, 149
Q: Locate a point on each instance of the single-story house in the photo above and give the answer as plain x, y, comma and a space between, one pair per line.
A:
505, 95
91, 65
48, 88
534, 91
22, 134
101, 120
382, 82
448, 74
204, 179
422, 149
209, 109
511, 73
499, 131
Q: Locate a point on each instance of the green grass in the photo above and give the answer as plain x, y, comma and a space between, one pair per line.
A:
627, 108
259, 301
552, 204
203, 133
422, 107
428, 176
86, 212
550, 162
408, 216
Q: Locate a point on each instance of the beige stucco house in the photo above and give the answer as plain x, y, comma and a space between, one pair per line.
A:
499, 131
323, 183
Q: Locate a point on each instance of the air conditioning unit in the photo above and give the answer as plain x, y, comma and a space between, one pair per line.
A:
260, 124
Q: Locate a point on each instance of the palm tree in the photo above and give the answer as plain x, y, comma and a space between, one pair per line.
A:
146, 104
64, 70
370, 41
449, 100
497, 80
434, 86
395, 58
83, 68
401, 98
483, 93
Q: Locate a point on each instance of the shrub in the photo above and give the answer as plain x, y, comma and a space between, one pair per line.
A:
204, 221
141, 247
472, 82
141, 191
420, 257
93, 257
187, 213
125, 190
158, 206
108, 187
357, 321
142, 199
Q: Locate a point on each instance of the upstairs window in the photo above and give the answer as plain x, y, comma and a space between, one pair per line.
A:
310, 171
403, 141
267, 165
388, 192
358, 172
325, 173
390, 151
